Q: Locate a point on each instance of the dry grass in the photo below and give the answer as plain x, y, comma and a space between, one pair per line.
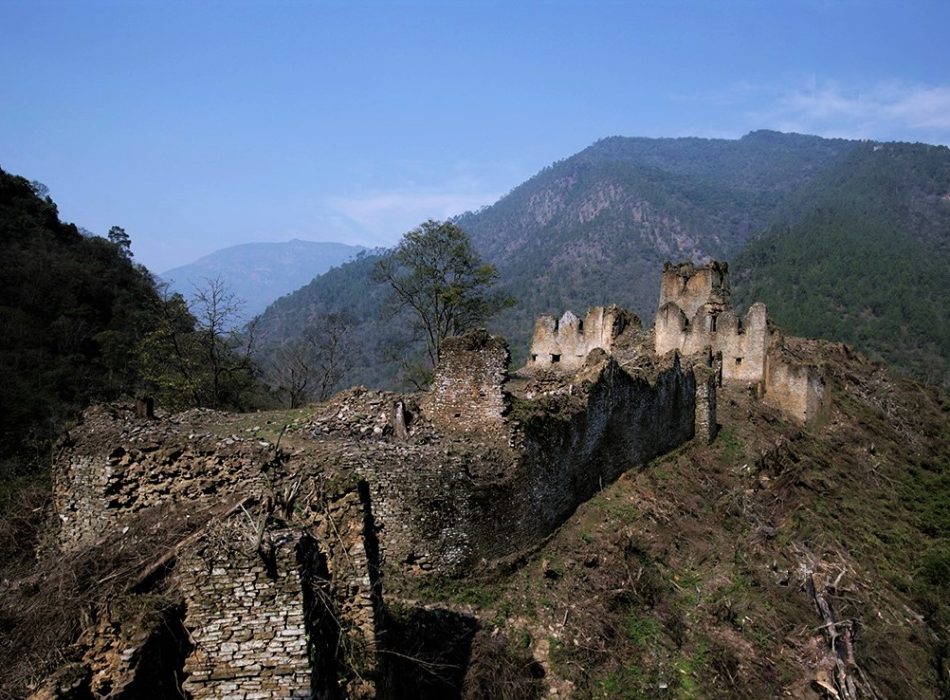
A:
44, 612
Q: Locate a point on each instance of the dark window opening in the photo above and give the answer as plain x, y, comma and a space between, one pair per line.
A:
712, 324
738, 360
555, 359
534, 358
556, 324
580, 326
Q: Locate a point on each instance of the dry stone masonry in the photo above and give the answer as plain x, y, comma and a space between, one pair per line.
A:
467, 392
245, 614
281, 579
694, 316
116, 465
565, 343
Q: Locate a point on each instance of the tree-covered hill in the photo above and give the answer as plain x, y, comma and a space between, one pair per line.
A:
862, 255
376, 345
828, 225
72, 311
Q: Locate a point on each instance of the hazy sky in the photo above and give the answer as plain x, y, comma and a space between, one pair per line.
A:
198, 125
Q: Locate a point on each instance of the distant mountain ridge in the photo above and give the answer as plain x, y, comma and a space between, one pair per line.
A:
602, 222
261, 273
813, 227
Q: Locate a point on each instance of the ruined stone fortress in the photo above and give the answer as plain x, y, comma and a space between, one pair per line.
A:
694, 317
284, 573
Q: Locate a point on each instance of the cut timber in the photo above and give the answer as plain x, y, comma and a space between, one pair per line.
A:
848, 681
149, 571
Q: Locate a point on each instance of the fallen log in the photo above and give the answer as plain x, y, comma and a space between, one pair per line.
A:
163, 561
848, 681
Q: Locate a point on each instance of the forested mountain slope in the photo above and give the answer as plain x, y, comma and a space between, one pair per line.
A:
862, 255
376, 344
833, 225
596, 227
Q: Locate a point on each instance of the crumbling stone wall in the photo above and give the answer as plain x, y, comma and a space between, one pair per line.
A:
115, 465
348, 562
444, 508
690, 287
565, 343
749, 349
795, 388
705, 426
743, 344
467, 390
245, 615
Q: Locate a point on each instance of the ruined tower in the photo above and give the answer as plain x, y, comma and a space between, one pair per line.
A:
694, 316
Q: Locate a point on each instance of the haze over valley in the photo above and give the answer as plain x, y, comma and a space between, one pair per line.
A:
463, 351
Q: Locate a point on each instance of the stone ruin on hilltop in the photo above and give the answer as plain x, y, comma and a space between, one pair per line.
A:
292, 547
694, 315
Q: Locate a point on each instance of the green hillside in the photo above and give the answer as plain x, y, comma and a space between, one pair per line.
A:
845, 240
863, 256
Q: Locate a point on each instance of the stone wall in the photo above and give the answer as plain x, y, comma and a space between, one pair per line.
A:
750, 351
467, 393
743, 343
705, 427
245, 615
115, 465
794, 388
565, 343
446, 509
690, 287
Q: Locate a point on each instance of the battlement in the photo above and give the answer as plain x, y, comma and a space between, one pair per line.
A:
565, 343
743, 342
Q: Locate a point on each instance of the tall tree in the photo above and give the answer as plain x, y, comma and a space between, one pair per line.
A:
197, 356
121, 240
436, 275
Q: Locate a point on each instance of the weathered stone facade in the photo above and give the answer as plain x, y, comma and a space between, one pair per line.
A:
148, 464
565, 343
446, 507
742, 343
795, 388
467, 392
692, 288
245, 615
694, 316
705, 426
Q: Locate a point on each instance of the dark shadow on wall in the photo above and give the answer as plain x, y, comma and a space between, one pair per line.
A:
424, 653
321, 618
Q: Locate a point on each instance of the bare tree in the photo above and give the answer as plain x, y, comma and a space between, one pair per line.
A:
218, 315
199, 356
311, 366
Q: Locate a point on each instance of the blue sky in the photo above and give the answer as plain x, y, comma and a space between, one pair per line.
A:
197, 125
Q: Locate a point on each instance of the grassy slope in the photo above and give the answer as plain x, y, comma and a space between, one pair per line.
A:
685, 573
689, 572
